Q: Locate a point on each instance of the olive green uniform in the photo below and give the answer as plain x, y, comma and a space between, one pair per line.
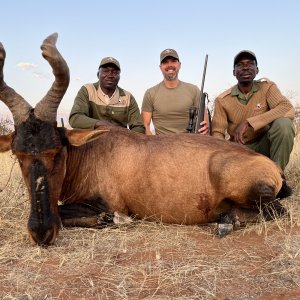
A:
91, 105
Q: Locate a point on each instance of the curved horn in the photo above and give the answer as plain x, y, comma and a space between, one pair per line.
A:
46, 109
19, 108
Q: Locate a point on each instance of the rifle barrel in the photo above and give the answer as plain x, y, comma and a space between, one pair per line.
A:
200, 116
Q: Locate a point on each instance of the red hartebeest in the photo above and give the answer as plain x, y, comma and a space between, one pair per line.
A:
188, 179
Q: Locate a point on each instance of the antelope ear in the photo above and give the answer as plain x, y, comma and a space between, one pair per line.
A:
79, 137
5, 142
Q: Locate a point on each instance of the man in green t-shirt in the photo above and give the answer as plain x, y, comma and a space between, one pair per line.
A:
167, 104
105, 103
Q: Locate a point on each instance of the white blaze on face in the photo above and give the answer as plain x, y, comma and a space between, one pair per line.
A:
39, 184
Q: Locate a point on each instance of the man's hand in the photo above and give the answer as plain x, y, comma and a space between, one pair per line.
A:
148, 131
203, 129
240, 131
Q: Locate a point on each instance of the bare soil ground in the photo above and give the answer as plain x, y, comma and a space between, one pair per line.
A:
148, 260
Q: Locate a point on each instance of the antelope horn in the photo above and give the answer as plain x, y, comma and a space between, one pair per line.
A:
19, 108
46, 109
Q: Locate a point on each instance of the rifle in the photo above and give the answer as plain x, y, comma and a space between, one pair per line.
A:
196, 115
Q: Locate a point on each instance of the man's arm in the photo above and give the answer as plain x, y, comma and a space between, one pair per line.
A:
79, 115
240, 131
279, 106
135, 121
203, 126
219, 121
147, 117
147, 108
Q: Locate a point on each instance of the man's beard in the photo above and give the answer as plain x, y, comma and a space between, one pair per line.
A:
171, 76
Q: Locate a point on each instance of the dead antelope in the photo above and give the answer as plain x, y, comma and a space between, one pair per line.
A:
184, 178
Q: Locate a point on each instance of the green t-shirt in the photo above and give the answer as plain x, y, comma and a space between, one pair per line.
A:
170, 106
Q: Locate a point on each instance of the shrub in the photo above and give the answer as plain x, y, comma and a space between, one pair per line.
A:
6, 126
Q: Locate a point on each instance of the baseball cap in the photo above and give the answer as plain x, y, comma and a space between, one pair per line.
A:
244, 53
168, 52
109, 60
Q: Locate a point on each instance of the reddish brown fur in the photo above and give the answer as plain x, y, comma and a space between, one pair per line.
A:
184, 178
178, 179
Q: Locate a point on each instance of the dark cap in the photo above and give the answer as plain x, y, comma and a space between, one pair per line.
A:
244, 53
109, 60
168, 52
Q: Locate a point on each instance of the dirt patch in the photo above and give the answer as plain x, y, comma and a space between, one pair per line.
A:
153, 261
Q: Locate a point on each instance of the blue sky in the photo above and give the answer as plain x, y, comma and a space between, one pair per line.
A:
135, 32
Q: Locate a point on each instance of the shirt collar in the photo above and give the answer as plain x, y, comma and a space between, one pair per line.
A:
236, 91
105, 95
121, 91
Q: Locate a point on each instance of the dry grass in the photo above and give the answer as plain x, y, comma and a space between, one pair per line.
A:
148, 260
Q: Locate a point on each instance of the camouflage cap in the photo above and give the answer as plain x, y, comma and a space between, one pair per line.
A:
244, 53
168, 52
109, 60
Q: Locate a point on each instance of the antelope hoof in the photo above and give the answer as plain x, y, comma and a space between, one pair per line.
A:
121, 219
224, 229
226, 224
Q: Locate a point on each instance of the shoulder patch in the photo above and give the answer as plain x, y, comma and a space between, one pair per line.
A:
90, 87
128, 94
91, 91
264, 79
225, 93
